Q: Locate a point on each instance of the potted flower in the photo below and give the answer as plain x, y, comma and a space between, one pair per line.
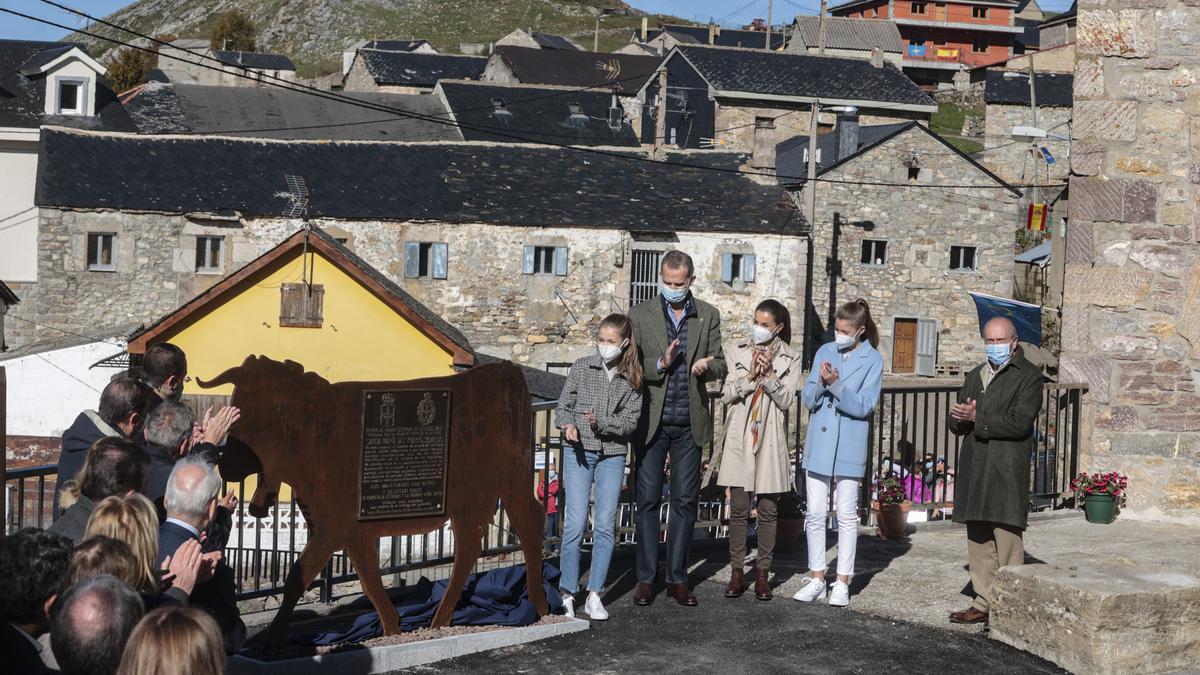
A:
890, 507
1098, 494
789, 522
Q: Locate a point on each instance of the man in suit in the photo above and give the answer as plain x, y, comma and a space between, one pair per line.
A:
114, 467
33, 572
997, 408
679, 342
191, 502
124, 404
164, 370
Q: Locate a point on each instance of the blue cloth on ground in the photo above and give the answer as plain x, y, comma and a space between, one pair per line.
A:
495, 598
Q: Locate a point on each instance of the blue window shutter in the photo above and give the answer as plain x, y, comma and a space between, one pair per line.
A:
560, 260
727, 267
748, 268
412, 259
441, 255
528, 267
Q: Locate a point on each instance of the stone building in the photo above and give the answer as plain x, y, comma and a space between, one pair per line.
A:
670, 36
1059, 30
887, 231
846, 38
394, 72
415, 46
524, 248
191, 61
537, 40
750, 100
1131, 306
1007, 99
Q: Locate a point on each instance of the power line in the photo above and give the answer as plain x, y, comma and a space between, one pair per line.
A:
65, 331
495, 132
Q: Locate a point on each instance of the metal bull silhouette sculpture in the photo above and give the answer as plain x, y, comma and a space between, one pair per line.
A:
304, 431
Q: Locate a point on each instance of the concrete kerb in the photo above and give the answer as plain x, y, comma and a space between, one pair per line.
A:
389, 658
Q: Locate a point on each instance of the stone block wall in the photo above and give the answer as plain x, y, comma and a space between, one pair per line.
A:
1131, 315
534, 319
920, 224
1008, 159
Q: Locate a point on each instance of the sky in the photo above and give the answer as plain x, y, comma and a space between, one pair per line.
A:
733, 11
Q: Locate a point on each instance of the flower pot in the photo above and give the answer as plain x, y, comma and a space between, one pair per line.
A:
1099, 508
787, 534
891, 520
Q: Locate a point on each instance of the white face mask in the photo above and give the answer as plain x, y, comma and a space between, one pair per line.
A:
609, 352
844, 341
762, 335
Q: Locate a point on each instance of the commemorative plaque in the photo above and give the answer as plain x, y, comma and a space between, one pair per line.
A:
405, 448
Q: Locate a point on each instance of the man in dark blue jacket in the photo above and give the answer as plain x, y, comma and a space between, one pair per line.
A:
123, 408
191, 501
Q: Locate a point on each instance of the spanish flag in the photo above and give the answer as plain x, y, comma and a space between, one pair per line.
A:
1037, 217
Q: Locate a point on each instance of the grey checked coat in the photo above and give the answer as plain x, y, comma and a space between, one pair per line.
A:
616, 405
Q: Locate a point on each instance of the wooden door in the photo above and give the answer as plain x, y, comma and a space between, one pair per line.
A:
904, 346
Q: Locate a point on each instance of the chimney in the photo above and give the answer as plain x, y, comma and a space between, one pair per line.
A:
877, 57
713, 32
645, 27
847, 133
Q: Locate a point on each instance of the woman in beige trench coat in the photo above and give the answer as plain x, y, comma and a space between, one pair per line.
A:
764, 373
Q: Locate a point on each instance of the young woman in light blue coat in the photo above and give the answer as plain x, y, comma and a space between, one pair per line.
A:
840, 394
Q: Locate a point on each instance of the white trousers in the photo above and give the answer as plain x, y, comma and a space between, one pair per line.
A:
846, 501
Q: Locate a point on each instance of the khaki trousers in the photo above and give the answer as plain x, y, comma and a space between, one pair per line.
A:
991, 546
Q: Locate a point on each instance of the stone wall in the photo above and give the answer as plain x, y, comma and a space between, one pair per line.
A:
535, 319
1131, 315
1011, 160
1060, 59
920, 225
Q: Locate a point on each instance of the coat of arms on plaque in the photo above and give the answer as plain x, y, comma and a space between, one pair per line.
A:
387, 411
426, 410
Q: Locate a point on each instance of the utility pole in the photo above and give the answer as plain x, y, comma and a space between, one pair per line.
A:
769, 4
1033, 144
660, 122
821, 30
596, 36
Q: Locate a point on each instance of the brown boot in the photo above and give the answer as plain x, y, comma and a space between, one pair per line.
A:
737, 584
762, 589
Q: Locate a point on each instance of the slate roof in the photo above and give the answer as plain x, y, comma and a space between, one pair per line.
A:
535, 114
843, 33
543, 385
529, 185
1032, 35
803, 75
394, 45
7, 296
865, 148
413, 69
579, 69
43, 57
257, 60
751, 39
790, 162
23, 99
550, 41
1054, 90
272, 112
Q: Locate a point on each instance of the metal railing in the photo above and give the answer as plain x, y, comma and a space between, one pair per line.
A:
908, 424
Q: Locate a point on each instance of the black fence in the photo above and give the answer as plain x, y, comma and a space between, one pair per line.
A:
908, 427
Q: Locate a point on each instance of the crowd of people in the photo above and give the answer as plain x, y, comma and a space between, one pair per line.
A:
647, 385
130, 576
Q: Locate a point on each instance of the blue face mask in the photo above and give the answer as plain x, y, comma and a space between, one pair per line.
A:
673, 295
998, 354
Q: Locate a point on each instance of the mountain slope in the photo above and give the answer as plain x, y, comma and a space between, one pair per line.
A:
314, 32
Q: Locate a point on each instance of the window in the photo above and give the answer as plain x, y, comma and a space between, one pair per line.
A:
962, 258
424, 260
918, 8
101, 251
737, 269
546, 260
301, 305
914, 173
980, 45
209, 254
643, 276
874, 252
979, 12
72, 95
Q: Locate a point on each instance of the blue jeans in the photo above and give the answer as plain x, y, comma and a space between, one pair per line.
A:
581, 471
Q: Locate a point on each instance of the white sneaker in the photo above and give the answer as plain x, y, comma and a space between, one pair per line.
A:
594, 608
569, 606
812, 590
839, 594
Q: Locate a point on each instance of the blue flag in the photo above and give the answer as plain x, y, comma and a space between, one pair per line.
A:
1026, 317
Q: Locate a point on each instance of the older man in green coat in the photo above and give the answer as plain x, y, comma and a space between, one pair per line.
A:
996, 412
